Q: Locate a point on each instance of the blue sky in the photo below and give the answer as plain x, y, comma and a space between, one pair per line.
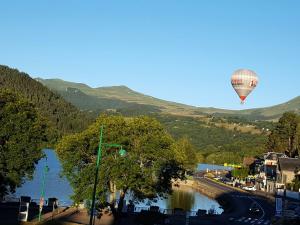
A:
183, 51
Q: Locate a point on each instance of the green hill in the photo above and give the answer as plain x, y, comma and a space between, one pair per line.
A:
274, 112
115, 97
268, 113
219, 135
96, 104
121, 98
64, 117
219, 140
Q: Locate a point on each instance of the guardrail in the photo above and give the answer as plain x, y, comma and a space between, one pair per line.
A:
61, 203
10, 199
290, 194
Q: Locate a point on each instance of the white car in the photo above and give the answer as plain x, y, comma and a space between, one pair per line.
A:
249, 188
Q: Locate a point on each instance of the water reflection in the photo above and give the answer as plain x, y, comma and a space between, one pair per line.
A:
184, 199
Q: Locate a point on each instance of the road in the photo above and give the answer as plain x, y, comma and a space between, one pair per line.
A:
241, 202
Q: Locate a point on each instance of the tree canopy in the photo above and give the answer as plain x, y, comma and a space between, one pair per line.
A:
285, 137
62, 115
214, 143
146, 171
241, 173
22, 132
185, 153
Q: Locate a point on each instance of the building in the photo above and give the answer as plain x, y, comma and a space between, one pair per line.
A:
287, 170
268, 171
270, 164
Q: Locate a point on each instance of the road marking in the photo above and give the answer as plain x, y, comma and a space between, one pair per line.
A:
244, 196
241, 219
263, 215
247, 220
187, 219
253, 221
250, 220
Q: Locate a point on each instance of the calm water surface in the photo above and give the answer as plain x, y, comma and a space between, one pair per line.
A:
204, 167
59, 187
56, 186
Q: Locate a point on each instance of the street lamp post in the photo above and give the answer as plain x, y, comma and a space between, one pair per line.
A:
122, 152
96, 176
42, 199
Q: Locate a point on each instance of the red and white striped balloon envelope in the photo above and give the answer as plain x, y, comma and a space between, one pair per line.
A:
243, 82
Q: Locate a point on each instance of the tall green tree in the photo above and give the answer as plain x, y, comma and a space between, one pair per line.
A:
240, 173
185, 153
22, 132
285, 137
146, 171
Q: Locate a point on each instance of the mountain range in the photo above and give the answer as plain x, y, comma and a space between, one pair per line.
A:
123, 99
218, 135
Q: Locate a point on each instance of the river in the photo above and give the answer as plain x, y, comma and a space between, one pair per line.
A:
59, 187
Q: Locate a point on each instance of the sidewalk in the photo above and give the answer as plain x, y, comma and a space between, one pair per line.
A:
82, 217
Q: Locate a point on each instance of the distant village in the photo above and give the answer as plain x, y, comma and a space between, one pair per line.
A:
274, 173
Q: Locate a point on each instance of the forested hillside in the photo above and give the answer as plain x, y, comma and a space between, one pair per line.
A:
124, 99
215, 140
267, 113
119, 98
217, 137
64, 117
97, 105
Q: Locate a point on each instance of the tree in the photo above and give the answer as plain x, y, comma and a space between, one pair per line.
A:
61, 115
146, 171
185, 153
241, 173
224, 157
22, 132
285, 137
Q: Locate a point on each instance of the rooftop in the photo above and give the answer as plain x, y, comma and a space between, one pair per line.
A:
273, 155
289, 164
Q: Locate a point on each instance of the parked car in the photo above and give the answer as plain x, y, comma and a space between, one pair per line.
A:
249, 188
218, 178
239, 185
224, 180
229, 183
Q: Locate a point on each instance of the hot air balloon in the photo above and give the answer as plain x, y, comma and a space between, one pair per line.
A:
244, 81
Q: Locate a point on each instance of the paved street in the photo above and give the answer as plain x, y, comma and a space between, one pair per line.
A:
241, 202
